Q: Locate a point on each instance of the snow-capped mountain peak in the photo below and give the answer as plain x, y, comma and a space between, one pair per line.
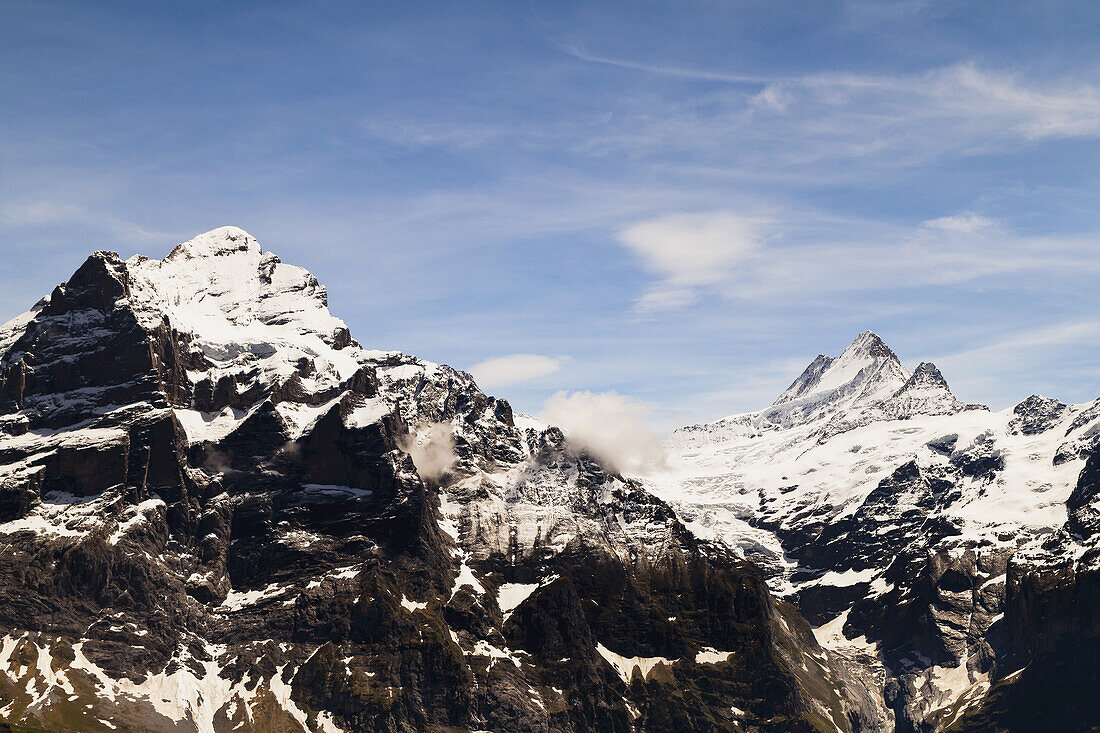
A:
867, 368
222, 241
869, 345
925, 392
223, 276
927, 388
915, 528
238, 301
866, 383
867, 373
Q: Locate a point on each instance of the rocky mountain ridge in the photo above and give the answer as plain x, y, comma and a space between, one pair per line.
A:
219, 512
945, 550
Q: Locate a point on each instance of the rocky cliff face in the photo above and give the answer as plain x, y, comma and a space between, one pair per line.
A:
219, 512
948, 553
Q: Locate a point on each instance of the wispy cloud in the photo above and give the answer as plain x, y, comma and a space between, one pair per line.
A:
48, 213
1032, 110
965, 223
759, 122
793, 257
514, 369
413, 133
1020, 345
753, 387
675, 71
1007, 367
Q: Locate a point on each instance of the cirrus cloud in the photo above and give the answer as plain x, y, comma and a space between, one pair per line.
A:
797, 256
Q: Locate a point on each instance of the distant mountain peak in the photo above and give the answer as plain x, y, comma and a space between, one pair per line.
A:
866, 383
869, 344
867, 366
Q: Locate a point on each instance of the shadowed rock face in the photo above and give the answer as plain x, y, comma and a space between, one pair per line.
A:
1083, 504
211, 519
1047, 672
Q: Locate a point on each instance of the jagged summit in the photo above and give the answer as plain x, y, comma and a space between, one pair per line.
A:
926, 375
870, 344
927, 388
866, 383
866, 373
96, 284
936, 543
867, 366
925, 392
222, 285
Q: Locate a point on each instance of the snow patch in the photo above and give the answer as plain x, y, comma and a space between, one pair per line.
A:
628, 666
412, 606
711, 656
510, 595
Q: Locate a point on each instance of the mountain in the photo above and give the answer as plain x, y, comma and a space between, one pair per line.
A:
866, 371
219, 512
948, 553
866, 383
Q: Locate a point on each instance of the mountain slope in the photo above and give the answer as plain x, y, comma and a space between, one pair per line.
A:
219, 512
919, 533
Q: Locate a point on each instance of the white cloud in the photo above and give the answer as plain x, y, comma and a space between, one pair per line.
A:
445, 133
751, 387
1023, 349
966, 223
432, 450
768, 126
612, 427
1034, 112
40, 212
515, 368
688, 251
686, 73
665, 299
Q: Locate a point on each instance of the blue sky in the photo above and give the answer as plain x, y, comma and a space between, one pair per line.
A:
679, 202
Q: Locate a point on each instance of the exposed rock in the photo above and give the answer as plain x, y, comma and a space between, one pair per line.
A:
217, 514
1036, 415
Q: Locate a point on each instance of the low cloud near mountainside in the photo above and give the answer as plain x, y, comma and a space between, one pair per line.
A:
610, 426
432, 450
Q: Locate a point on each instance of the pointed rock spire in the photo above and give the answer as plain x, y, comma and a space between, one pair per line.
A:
926, 375
810, 376
866, 367
869, 344
96, 284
